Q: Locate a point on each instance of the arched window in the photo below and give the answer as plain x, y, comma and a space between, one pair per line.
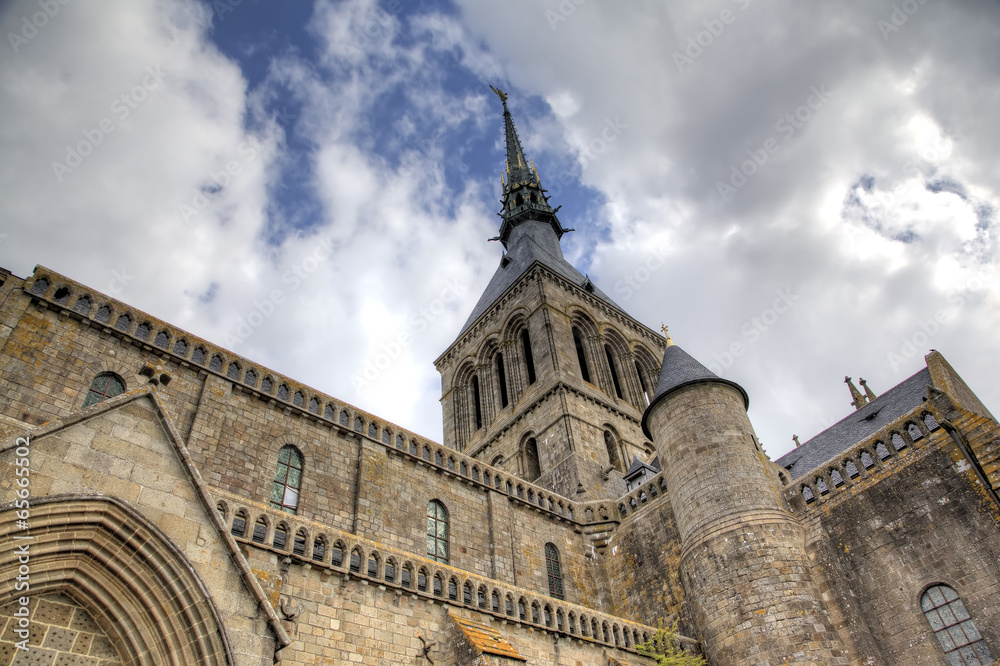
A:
953, 627
580, 355
239, 527
532, 470
437, 532
502, 378
475, 400
40, 287
529, 360
259, 530
611, 444
553, 571
82, 305
105, 385
280, 536
614, 371
287, 480
642, 382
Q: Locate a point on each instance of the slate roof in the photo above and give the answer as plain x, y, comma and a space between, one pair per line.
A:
637, 465
530, 241
874, 416
679, 369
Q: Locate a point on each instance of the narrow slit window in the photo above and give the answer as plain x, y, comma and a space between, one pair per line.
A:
642, 382
502, 378
529, 360
580, 355
614, 371
475, 399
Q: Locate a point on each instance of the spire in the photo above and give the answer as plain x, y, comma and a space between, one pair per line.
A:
858, 400
523, 195
868, 392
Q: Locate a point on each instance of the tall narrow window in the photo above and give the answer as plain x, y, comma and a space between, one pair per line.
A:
961, 642
437, 532
614, 371
287, 480
475, 400
578, 342
529, 360
532, 470
502, 378
642, 382
611, 443
105, 385
553, 570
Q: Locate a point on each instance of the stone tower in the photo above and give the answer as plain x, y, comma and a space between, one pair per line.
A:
549, 376
743, 560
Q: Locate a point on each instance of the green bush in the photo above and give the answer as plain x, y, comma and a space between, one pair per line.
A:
664, 648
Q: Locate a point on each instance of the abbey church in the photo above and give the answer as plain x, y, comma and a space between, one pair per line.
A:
165, 501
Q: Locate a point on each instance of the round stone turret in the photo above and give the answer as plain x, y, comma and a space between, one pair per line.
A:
743, 562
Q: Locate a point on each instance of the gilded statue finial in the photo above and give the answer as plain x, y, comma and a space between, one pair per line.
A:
501, 94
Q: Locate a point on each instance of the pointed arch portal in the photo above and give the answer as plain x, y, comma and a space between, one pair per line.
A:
138, 587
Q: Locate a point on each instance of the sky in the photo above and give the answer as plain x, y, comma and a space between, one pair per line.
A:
800, 191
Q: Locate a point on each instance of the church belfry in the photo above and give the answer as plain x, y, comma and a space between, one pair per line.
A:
549, 377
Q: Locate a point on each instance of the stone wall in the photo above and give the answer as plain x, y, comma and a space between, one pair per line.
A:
917, 518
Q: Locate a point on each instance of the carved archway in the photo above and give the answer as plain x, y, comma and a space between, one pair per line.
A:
138, 587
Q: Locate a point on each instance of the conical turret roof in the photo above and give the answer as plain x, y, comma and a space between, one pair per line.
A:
680, 369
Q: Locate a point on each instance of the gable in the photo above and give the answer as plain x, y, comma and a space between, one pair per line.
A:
127, 449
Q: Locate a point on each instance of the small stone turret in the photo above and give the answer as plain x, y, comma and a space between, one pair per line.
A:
743, 560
